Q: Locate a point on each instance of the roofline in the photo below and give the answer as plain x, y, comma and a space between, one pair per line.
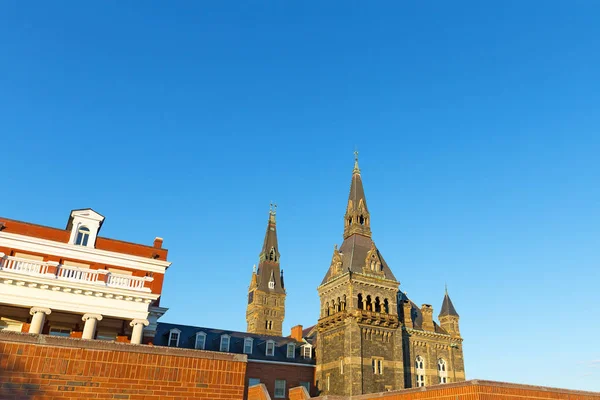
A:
281, 363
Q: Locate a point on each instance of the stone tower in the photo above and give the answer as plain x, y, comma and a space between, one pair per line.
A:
359, 345
266, 294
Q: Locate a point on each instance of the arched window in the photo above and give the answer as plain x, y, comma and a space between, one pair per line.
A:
377, 305
83, 235
386, 306
174, 337
419, 371
327, 309
338, 305
350, 221
362, 220
369, 304
361, 305
200, 340
442, 371
344, 303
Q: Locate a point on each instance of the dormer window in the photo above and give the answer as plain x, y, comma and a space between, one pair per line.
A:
83, 235
174, 337
200, 341
307, 351
270, 348
272, 280
224, 343
271, 285
291, 350
248, 345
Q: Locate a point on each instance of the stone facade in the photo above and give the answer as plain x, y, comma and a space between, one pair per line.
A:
266, 294
370, 336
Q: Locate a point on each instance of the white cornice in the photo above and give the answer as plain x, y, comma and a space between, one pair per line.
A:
66, 250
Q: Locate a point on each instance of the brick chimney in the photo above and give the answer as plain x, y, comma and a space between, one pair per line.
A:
297, 333
158, 241
406, 308
427, 312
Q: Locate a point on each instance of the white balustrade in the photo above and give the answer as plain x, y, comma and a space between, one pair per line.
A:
126, 281
23, 266
72, 273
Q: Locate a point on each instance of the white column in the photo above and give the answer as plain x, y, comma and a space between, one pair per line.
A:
39, 317
138, 330
89, 329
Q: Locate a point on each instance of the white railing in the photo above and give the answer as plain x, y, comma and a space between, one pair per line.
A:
23, 266
71, 273
126, 281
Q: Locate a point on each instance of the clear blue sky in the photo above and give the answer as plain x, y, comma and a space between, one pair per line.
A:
477, 125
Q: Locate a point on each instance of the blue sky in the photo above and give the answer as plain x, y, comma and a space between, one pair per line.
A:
477, 126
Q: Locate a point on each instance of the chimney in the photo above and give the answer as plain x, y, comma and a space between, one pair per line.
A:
158, 241
406, 308
427, 312
297, 333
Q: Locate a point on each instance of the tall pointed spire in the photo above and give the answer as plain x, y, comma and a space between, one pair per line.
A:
357, 218
270, 249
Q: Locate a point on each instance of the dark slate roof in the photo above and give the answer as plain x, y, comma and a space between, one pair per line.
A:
357, 192
187, 340
354, 254
416, 315
447, 307
270, 268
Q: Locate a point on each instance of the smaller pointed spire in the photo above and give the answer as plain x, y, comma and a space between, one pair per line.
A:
356, 169
447, 306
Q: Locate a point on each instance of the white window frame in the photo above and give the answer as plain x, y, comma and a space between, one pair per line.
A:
85, 236
61, 328
171, 333
281, 394
203, 336
272, 343
309, 347
291, 348
225, 336
271, 285
248, 341
442, 370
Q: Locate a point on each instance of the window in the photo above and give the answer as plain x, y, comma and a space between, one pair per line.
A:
307, 351
200, 341
102, 335
83, 235
248, 345
270, 348
328, 376
268, 325
224, 343
341, 365
253, 381
55, 331
291, 350
271, 285
174, 337
279, 389
306, 385
377, 364
380, 367
442, 371
420, 371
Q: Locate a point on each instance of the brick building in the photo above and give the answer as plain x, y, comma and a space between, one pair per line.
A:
73, 282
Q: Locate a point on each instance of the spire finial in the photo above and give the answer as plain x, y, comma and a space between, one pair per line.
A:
254, 268
446, 285
356, 169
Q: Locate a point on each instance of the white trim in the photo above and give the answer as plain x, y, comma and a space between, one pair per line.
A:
228, 342
287, 350
251, 340
65, 250
267, 348
282, 363
203, 342
171, 332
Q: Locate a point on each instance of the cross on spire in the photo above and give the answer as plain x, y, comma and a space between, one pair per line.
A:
356, 169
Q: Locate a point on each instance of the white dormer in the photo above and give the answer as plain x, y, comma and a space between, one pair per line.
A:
84, 226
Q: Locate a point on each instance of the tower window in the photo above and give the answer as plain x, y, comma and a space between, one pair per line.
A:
377, 364
420, 371
271, 285
224, 343
83, 235
362, 220
442, 372
341, 366
270, 348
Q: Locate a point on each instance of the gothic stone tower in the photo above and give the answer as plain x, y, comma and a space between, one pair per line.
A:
370, 336
359, 344
266, 294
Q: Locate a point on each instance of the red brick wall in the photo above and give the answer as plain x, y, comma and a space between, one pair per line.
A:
268, 372
45, 367
476, 390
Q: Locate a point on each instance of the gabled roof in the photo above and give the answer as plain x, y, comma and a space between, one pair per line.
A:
87, 213
354, 254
